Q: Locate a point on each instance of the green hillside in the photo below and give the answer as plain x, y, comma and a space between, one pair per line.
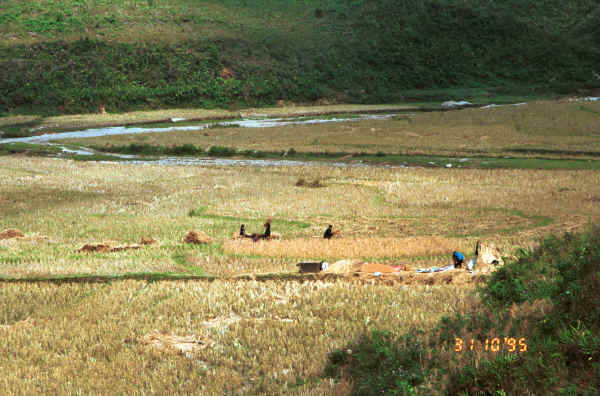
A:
76, 55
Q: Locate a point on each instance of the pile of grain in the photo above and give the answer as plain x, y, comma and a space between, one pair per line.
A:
197, 237
148, 241
343, 266
105, 247
11, 233
373, 267
95, 247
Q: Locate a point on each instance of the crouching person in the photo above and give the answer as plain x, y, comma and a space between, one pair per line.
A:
458, 259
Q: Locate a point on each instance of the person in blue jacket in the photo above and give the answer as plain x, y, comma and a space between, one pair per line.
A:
458, 258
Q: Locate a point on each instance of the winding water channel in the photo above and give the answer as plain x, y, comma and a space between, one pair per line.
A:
51, 138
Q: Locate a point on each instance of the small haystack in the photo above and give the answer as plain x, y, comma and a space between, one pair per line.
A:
184, 344
148, 241
95, 247
344, 266
197, 237
11, 233
106, 247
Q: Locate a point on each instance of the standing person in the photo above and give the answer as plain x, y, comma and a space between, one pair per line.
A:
328, 232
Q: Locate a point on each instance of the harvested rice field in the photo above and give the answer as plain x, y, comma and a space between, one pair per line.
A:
139, 270
197, 337
413, 217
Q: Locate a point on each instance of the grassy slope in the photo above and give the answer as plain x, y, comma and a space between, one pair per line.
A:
74, 56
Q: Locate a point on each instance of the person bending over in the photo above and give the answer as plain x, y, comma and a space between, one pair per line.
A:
458, 259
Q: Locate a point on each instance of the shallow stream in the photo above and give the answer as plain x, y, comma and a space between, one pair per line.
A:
50, 138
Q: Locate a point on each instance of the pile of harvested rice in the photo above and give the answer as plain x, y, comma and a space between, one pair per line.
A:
197, 237
11, 233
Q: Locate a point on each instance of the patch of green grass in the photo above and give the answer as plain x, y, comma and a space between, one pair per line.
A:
29, 149
521, 150
97, 157
536, 222
201, 212
181, 259
379, 363
589, 110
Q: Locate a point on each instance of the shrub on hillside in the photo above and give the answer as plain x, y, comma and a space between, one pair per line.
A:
379, 363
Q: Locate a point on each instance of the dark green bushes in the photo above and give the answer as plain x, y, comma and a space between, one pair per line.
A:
380, 364
550, 296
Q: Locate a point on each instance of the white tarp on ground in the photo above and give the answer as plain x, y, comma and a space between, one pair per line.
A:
434, 269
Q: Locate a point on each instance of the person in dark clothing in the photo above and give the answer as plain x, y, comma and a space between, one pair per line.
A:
243, 231
458, 259
328, 232
266, 235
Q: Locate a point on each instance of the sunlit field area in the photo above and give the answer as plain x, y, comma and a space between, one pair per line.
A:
383, 214
101, 291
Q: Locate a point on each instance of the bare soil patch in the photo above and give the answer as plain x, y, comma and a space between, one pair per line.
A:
183, 344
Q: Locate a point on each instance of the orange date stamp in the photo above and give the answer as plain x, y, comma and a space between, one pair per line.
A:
496, 344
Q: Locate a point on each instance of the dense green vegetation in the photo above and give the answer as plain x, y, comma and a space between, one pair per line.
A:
29, 149
548, 299
77, 55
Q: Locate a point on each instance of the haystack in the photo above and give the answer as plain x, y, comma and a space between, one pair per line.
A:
489, 254
343, 266
197, 237
106, 247
148, 241
95, 247
11, 233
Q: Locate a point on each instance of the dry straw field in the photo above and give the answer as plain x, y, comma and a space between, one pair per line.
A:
240, 335
238, 338
387, 214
